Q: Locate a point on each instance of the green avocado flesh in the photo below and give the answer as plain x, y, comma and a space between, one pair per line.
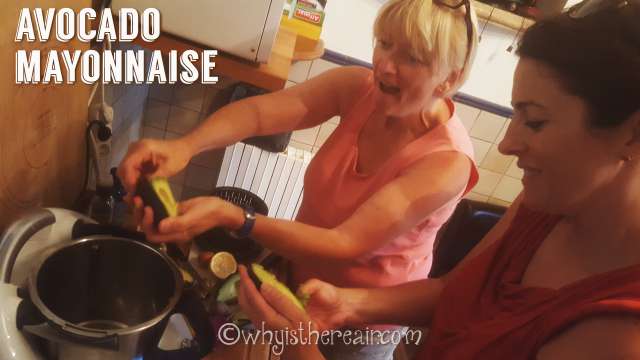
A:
227, 292
259, 275
157, 194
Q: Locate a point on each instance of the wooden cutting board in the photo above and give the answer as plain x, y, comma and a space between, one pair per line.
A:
41, 126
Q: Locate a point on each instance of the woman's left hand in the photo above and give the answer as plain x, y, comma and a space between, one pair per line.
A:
270, 310
196, 216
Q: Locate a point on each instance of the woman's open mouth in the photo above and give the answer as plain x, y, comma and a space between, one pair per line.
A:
388, 89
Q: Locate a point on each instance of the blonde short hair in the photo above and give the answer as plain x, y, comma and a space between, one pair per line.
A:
435, 33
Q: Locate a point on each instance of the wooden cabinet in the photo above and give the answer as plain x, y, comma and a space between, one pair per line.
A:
41, 126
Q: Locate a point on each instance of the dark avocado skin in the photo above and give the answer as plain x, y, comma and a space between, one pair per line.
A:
256, 281
151, 198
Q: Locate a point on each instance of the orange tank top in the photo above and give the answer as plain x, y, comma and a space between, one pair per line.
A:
484, 312
334, 189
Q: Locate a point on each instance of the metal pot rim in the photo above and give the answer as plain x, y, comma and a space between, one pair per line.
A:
95, 333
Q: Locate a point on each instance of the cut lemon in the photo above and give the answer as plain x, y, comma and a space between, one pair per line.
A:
223, 264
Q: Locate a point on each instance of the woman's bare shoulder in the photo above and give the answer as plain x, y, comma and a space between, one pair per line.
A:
350, 83
354, 77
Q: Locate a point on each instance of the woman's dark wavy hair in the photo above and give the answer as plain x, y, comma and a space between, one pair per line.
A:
596, 58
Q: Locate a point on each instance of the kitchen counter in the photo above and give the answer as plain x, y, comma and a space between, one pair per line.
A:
348, 37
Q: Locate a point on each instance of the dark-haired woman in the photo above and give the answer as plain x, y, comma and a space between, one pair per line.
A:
558, 277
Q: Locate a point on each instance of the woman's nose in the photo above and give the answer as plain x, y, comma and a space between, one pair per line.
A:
388, 65
513, 142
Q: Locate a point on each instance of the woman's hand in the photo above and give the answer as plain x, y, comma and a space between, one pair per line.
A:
328, 305
270, 310
196, 216
153, 158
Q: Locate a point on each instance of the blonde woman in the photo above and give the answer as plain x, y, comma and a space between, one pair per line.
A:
384, 182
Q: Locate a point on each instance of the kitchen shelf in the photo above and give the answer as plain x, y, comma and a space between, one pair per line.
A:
501, 17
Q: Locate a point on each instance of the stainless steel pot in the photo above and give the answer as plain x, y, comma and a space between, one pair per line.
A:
103, 297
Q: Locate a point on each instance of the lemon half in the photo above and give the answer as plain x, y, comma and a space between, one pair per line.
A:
223, 264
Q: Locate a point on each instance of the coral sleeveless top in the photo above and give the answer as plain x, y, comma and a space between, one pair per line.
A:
485, 313
334, 189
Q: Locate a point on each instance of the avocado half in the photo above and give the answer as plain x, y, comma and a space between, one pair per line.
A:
259, 275
157, 194
228, 293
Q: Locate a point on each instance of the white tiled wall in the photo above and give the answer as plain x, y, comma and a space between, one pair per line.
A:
487, 127
319, 66
174, 110
468, 115
499, 176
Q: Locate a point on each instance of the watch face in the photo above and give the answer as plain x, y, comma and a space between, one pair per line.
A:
249, 213
249, 220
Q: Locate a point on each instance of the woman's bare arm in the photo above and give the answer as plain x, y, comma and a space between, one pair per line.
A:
302, 106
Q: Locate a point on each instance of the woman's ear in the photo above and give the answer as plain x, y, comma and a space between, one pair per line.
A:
443, 89
632, 146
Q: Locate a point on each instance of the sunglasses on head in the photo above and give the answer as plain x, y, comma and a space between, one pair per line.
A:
455, 4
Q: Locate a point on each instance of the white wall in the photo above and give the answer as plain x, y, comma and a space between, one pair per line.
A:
491, 77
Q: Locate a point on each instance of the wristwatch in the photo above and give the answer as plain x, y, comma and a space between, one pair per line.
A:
247, 226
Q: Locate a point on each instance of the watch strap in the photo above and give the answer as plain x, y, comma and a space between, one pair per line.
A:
249, 222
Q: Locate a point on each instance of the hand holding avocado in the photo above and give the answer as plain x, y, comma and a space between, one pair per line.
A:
323, 305
193, 217
154, 158
156, 193
259, 275
228, 293
268, 305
